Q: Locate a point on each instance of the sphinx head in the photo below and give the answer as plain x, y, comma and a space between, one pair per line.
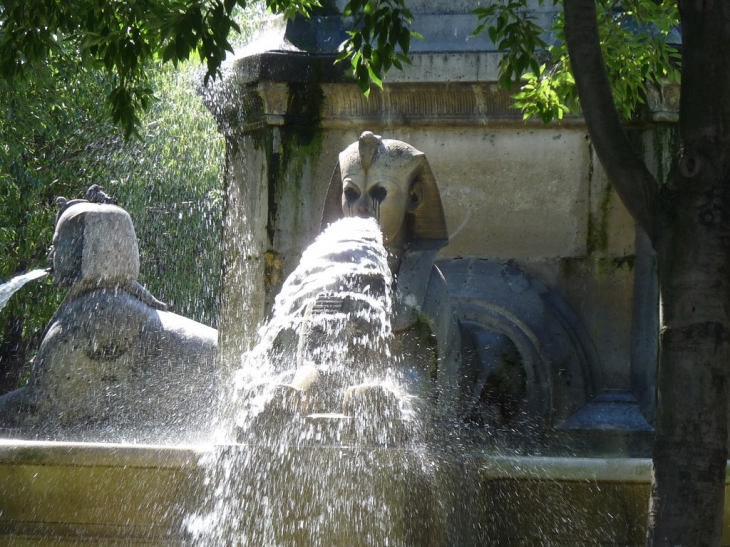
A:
392, 182
93, 242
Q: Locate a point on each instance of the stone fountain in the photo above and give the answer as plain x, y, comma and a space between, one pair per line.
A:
540, 250
534, 400
113, 363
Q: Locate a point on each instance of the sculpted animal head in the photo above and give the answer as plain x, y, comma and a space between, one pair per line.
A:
392, 182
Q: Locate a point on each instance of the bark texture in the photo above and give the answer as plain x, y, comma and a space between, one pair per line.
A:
689, 223
693, 247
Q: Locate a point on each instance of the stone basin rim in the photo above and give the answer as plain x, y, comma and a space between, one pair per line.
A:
490, 466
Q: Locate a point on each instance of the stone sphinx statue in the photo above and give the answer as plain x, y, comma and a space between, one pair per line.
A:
111, 356
473, 341
391, 182
493, 346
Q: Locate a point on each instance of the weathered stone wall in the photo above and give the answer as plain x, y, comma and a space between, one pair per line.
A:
531, 195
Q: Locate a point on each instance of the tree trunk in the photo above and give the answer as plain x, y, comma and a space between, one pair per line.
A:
693, 249
690, 450
689, 223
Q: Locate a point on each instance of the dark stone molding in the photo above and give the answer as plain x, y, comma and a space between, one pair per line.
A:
253, 96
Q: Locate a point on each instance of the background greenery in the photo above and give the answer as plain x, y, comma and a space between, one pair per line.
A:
58, 139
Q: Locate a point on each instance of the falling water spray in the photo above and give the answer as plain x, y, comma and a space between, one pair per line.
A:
7, 290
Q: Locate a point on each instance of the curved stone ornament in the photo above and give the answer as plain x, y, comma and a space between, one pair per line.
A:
500, 305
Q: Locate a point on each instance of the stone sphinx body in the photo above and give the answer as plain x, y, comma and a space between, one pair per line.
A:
391, 182
111, 356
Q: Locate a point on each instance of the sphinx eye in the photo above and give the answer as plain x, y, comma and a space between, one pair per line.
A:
351, 194
378, 194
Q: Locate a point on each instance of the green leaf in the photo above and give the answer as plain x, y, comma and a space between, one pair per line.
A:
169, 52
374, 77
356, 59
404, 40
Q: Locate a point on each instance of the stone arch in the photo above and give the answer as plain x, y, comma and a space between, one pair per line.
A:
561, 366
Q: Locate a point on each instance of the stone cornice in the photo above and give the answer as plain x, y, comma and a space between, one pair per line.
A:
344, 106
256, 91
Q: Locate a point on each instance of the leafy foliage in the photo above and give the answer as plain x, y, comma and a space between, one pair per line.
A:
636, 39
122, 39
379, 40
512, 29
547, 94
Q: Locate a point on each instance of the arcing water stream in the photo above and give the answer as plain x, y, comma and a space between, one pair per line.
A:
330, 327
16, 283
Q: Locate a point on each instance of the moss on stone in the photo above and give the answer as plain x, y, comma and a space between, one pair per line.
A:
273, 270
605, 265
301, 138
664, 143
597, 234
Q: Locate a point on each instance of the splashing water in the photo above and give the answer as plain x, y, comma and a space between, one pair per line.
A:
305, 483
351, 250
16, 283
332, 317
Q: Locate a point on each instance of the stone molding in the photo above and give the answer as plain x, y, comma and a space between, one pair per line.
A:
254, 97
409, 104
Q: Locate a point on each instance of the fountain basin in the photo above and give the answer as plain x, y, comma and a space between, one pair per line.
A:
64, 494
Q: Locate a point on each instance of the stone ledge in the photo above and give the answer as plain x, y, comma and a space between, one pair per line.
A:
437, 89
79, 454
64, 494
343, 106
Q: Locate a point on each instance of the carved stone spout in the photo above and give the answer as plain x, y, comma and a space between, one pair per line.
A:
340, 366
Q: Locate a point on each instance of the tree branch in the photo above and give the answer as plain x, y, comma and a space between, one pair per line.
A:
626, 170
